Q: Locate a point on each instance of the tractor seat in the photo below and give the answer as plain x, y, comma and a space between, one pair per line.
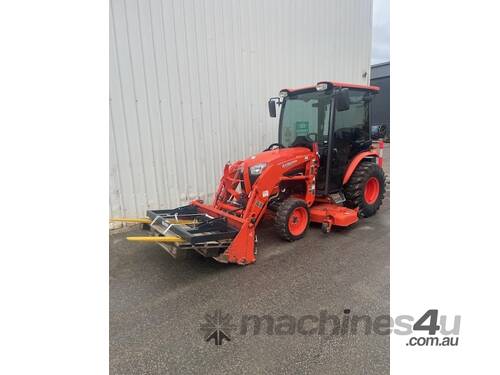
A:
303, 141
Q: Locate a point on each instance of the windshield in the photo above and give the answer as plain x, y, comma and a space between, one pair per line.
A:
305, 114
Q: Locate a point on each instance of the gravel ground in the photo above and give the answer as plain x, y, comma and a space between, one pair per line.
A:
157, 304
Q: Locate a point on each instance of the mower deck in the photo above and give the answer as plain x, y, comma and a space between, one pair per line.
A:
330, 214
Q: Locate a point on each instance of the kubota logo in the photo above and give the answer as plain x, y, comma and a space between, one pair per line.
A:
287, 164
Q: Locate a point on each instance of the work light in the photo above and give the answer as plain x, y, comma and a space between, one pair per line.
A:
283, 94
321, 86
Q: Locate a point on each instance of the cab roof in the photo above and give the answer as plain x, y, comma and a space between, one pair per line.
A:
335, 84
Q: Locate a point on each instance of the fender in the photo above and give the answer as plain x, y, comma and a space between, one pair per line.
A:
354, 163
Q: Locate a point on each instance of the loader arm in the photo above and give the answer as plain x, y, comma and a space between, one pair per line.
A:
246, 214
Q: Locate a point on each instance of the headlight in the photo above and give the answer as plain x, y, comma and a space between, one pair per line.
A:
257, 169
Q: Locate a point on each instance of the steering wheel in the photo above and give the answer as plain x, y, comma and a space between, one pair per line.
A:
315, 137
272, 146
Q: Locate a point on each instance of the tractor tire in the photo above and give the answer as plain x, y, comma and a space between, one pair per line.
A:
292, 219
365, 189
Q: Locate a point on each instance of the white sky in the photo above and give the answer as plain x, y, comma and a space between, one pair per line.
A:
380, 36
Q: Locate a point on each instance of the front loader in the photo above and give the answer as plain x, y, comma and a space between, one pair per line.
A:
323, 169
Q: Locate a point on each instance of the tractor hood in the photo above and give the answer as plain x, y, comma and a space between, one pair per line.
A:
277, 156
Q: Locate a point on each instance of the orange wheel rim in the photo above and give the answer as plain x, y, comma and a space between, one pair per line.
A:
297, 222
372, 190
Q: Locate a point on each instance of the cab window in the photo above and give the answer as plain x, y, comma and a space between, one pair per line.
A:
305, 114
355, 120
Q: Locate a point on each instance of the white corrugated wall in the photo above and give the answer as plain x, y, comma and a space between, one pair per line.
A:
190, 79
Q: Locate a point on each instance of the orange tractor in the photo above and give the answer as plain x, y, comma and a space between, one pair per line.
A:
324, 169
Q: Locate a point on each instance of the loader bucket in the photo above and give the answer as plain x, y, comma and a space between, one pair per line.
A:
203, 228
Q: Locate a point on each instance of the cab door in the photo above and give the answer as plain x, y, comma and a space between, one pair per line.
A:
351, 135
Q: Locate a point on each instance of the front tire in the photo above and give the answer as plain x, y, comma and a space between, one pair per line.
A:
366, 188
292, 219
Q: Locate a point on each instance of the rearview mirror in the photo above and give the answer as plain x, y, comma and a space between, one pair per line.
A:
342, 101
272, 107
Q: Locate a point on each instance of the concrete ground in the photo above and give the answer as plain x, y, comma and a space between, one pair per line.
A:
157, 304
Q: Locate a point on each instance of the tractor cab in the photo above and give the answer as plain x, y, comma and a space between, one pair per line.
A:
335, 116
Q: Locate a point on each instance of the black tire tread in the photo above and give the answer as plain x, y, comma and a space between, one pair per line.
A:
281, 219
353, 190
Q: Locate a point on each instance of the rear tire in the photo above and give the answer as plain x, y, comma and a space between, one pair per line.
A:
292, 219
366, 188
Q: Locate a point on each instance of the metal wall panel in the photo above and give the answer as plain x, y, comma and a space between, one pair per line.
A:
190, 79
380, 70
